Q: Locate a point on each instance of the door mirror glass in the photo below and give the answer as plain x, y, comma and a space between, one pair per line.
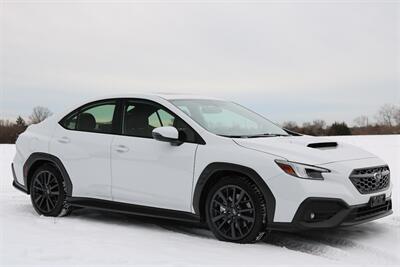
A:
166, 134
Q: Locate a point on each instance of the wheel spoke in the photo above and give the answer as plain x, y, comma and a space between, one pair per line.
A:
223, 198
233, 232
39, 182
51, 202
238, 227
222, 224
47, 204
38, 188
216, 218
53, 186
41, 201
220, 204
38, 197
240, 197
247, 218
246, 210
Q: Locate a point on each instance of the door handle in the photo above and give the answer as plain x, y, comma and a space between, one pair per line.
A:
121, 149
64, 140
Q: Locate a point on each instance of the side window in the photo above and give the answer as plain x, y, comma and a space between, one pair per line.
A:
140, 119
97, 118
166, 118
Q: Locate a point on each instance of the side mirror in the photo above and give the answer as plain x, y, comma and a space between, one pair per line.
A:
167, 134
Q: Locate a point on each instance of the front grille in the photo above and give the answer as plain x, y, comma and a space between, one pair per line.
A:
371, 180
366, 212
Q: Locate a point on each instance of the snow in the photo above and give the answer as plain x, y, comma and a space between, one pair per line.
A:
101, 238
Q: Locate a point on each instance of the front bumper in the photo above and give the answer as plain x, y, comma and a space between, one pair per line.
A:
331, 213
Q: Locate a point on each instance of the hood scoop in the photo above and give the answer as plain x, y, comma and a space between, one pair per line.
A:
323, 145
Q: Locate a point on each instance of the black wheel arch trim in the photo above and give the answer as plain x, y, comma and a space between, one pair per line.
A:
40, 156
212, 168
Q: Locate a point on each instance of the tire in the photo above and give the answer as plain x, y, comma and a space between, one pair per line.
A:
239, 221
47, 190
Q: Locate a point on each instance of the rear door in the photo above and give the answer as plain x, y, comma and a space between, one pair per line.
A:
83, 143
149, 172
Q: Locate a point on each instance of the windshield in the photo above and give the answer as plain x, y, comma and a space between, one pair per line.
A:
228, 118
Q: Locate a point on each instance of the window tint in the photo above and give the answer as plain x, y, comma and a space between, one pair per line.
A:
140, 119
96, 118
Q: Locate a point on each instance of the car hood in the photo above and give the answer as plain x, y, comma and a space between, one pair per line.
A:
305, 149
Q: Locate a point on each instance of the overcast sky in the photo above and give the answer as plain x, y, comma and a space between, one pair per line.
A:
289, 61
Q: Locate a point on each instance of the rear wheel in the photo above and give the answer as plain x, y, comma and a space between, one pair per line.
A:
48, 192
236, 210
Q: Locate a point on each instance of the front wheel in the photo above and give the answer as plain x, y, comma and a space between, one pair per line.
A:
48, 192
236, 210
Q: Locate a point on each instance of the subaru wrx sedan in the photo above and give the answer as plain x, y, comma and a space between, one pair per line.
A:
197, 159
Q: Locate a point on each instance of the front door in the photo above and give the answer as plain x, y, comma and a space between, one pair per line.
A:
149, 172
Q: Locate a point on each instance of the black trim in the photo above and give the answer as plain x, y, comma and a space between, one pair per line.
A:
15, 182
162, 138
211, 169
332, 213
37, 157
292, 132
126, 208
20, 187
323, 144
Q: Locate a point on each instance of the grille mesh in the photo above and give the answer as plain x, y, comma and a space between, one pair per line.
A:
370, 180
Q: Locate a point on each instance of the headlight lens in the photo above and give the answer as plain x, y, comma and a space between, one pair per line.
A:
302, 170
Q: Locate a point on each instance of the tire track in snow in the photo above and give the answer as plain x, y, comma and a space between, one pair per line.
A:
333, 245
305, 245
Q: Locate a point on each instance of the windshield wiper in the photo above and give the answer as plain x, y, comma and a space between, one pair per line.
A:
253, 136
234, 136
266, 135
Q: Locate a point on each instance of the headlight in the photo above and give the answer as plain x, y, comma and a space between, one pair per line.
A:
302, 170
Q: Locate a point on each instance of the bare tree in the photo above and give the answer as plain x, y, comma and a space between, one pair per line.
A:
39, 114
386, 115
361, 121
397, 115
320, 124
290, 125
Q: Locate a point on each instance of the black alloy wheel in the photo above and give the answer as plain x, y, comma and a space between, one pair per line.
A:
47, 191
232, 211
236, 211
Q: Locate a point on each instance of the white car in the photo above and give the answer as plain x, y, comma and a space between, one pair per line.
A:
197, 159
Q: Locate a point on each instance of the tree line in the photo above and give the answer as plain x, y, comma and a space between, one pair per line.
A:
386, 121
9, 130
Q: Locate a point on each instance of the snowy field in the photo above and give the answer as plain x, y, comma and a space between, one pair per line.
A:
103, 239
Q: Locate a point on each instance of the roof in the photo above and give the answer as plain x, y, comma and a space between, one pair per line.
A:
167, 96
170, 96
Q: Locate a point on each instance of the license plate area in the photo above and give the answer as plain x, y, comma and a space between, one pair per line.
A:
377, 200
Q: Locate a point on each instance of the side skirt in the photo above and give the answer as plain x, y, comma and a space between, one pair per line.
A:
126, 208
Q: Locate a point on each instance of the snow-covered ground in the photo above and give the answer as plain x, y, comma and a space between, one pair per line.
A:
101, 238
